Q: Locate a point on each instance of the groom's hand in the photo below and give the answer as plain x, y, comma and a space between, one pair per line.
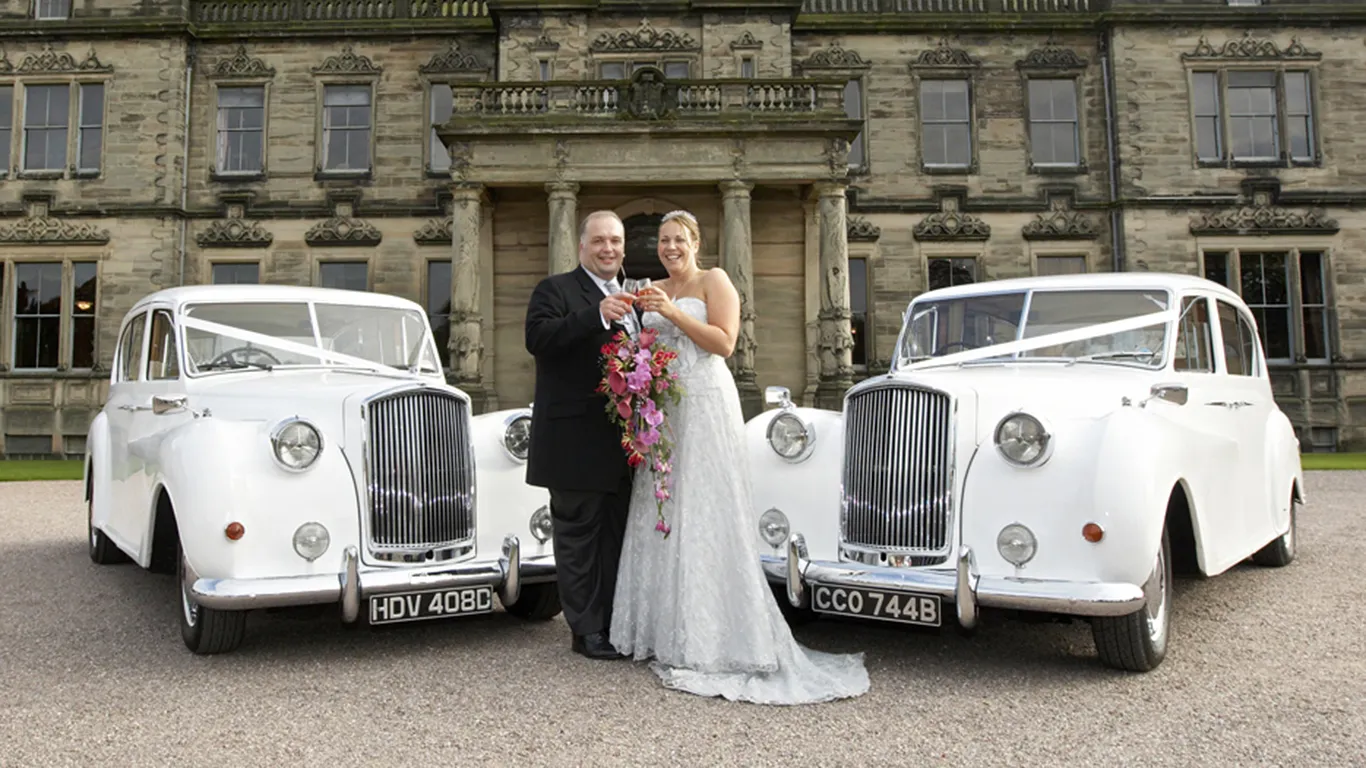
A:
616, 306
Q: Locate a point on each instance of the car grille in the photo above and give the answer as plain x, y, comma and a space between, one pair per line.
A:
898, 478
420, 472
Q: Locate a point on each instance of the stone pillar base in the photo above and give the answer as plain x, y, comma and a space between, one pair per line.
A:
483, 398
830, 393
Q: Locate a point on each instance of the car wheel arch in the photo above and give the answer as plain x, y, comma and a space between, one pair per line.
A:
165, 533
1183, 534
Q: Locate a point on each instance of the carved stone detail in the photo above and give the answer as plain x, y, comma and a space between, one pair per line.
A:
835, 339
234, 233
49, 61
863, 230
343, 228
461, 155
1249, 48
837, 157
746, 42
6, 66
561, 153
1060, 222
40, 228
452, 60
1263, 218
543, 43
643, 38
951, 224
944, 56
1052, 57
348, 62
650, 96
834, 57
435, 232
242, 65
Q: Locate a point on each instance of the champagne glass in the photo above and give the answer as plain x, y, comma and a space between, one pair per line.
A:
634, 286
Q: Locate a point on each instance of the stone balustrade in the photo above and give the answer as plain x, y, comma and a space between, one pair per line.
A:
279, 11
841, 7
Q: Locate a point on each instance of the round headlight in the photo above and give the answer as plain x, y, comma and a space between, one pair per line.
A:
1016, 544
311, 541
773, 527
790, 437
1022, 439
296, 444
542, 524
517, 437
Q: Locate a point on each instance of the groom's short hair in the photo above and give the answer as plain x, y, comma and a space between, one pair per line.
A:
583, 228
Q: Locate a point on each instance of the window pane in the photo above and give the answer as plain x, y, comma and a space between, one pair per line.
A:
945, 273
747, 67
613, 70
1194, 341
1205, 87
236, 274
676, 70
342, 274
91, 139
83, 309
439, 305
37, 289
1235, 359
46, 113
853, 99
162, 358
6, 123
858, 307
1216, 268
442, 110
130, 360
1313, 301
1061, 265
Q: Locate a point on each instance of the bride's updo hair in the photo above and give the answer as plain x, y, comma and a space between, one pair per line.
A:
688, 222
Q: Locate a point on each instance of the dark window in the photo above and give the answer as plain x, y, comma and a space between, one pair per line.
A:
858, 310
47, 110
241, 129
237, 273
642, 251
37, 315
83, 298
948, 272
946, 126
350, 275
1054, 135
439, 306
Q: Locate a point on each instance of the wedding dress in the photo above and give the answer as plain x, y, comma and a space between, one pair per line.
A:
697, 603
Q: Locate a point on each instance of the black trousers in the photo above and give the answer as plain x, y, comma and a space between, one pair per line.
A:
589, 529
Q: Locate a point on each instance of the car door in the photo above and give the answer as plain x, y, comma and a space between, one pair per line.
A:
126, 510
1212, 428
1251, 404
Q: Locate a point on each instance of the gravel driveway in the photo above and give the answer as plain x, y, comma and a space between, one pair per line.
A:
1266, 668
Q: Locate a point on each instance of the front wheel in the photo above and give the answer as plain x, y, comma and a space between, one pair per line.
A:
102, 550
1138, 642
1280, 552
537, 602
206, 630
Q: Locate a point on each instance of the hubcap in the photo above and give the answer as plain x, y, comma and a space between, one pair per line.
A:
1155, 592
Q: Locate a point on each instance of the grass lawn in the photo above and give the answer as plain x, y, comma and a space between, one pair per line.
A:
1333, 460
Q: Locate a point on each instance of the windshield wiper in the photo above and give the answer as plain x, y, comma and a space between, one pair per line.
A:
1133, 354
235, 365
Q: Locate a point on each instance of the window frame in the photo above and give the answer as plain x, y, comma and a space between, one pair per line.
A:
369, 83
36, 11
946, 63
120, 362
215, 263
967, 252
217, 171
870, 356
1232, 251
427, 310
19, 126
1078, 125
323, 261
148, 332
631, 60
65, 327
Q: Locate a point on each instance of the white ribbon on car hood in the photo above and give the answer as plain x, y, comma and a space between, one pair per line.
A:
1048, 340
284, 345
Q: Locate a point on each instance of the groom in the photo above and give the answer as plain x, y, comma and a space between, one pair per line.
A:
575, 450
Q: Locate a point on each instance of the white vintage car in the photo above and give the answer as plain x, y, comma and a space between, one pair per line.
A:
284, 446
1051, 445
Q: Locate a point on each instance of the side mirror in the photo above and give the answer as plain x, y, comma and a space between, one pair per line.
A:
167, 403
1172, 393
779, 396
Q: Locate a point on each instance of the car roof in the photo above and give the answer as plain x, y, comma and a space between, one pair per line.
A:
189, 294
1172, 281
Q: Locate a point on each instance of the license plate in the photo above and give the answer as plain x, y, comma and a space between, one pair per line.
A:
430, 604
902, 607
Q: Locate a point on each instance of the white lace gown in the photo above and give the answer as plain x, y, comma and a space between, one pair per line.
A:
698, 603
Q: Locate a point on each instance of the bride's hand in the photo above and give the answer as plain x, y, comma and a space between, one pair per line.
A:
654, 299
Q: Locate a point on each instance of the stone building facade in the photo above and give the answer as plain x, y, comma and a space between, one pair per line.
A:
841, 155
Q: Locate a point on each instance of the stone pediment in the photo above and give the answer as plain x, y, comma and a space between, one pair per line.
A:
834, 57
452, 60
1263, 218
242, 65
643, 38
1051, 57
43, 229
862, 230
951, 224
234, 233
944, 56
1249, 48
1061, 222
344, 228
435, 232
49, 61
348, 62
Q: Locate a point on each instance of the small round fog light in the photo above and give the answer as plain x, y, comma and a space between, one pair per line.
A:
542, 524
234, 531
1016, 544
311, 541
1092, 532
773, 527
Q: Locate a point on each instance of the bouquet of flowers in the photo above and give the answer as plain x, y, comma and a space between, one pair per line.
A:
637, 382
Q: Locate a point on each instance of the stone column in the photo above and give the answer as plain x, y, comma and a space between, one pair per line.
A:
467, 338
836, 340
738, 252
564, 236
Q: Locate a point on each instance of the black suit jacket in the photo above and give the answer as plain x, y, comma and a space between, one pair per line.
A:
573, 444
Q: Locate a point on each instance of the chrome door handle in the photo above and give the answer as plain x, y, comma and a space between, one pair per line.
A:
1235, 404
135, 407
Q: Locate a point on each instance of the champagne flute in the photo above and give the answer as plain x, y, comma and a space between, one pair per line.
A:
633, 286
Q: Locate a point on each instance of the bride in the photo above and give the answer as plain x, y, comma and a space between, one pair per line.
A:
697, 603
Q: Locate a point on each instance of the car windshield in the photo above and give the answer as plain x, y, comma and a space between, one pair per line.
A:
248, 335
948, 326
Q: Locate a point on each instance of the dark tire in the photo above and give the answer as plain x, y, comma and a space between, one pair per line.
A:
1138, 642
1280, 552
206, 630
102, 550
537, 602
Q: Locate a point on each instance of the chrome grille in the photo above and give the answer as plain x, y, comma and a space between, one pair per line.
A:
898, 479
420, 473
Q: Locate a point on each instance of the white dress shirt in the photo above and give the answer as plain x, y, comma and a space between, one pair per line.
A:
607, 290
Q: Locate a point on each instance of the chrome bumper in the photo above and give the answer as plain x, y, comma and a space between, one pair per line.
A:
962, 586
349, 587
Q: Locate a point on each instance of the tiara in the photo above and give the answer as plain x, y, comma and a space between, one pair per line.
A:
679, 214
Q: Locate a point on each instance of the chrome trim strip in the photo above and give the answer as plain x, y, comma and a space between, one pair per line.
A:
795, 564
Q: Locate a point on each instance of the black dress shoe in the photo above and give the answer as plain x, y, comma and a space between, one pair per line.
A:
595, 646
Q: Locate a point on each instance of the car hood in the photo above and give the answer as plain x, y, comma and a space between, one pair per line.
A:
320, 395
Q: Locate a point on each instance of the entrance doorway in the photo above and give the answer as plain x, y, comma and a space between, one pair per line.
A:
642, 238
